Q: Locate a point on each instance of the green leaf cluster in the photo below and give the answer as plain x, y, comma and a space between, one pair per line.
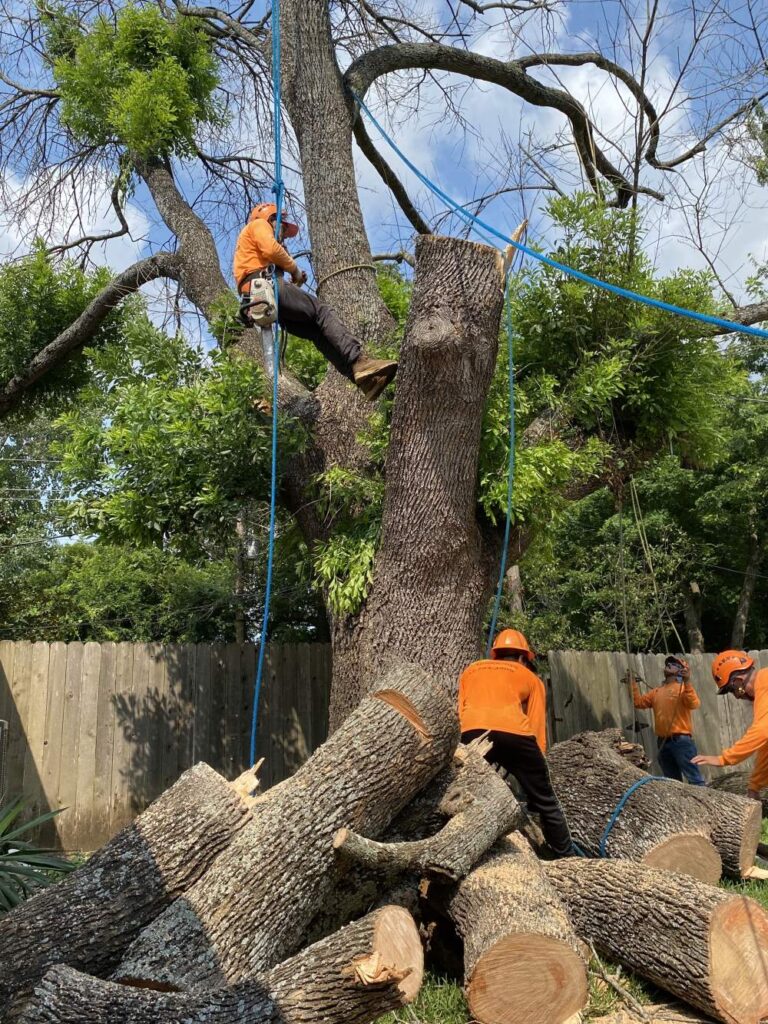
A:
24, 867
139, 79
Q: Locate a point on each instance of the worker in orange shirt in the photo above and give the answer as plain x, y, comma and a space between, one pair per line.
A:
257, 253
735, 672
672, 703
503, 695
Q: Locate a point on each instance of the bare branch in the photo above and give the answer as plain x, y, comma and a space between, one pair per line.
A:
394, 257
89, 240
80, 332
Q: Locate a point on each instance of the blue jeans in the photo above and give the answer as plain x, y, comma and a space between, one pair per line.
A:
675, 753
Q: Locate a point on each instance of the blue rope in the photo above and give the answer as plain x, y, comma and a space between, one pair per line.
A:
510, 468
620, 806
625, 293
279, 189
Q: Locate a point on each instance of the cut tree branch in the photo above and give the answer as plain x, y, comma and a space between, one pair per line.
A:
80, 332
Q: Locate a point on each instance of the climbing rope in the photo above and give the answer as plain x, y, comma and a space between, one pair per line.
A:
620, 807
279, 190
615, 289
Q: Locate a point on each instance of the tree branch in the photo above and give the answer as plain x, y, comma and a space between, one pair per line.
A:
80, 332
90, 240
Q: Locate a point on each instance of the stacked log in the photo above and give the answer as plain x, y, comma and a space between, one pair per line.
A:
660, 825
705, 945
352, 977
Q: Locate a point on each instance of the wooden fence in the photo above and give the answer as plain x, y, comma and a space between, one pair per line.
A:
586, 693
102, 729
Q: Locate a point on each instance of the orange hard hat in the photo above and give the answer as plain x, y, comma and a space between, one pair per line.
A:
266, 210
725, 664
512, 640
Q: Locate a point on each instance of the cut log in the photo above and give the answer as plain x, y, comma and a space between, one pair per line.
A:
737, 781
522, 959
661, 824
736, 822
372, 966
705, 945
89, 919
252, 908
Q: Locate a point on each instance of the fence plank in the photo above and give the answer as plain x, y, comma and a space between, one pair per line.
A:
232, 711
31, 783
67, 794
99, 830
85, 765
17, 714
119, 811
218, 706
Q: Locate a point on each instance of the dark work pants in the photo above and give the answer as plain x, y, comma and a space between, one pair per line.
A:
521, 757
675, 753
305, 316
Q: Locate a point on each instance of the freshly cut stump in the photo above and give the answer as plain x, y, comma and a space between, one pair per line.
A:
89, 919
251, 909
521, 954
370, 967
705, 945
662, 823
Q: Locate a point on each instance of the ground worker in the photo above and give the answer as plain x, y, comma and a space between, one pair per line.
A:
672, 703
735, 672
257, 253
503, 695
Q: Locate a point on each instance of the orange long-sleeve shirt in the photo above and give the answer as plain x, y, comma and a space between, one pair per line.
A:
755, 739
672, 705
256, 248
503, 695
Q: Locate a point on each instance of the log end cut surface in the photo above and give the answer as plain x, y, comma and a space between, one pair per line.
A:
532, 978
738, 942
750, 839
397, 947
687, 854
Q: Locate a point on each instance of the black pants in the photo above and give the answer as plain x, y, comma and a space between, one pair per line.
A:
521, 757
305, 316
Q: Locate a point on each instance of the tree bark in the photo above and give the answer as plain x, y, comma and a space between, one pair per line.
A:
89, 919
253, 906
705, 945
432, 569
736, 822
747, 590
692, 612
661, 823
521, 956
373, 966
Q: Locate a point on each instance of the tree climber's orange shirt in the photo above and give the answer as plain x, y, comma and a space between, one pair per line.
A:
672, 705
755, 739
506, 696
256, 248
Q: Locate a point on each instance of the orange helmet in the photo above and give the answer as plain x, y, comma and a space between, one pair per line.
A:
725, 664
266, 210
512, 640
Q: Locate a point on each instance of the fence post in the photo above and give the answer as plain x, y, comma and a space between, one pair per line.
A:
3, 760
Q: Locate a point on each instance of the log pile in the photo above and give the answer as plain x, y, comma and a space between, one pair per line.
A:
220, 904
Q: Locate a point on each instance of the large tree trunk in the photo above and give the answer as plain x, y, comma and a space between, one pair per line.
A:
706, 946
88, 920
747, 590
692, 612
661, 824
253, 906
433, 573
521, 955
352, 977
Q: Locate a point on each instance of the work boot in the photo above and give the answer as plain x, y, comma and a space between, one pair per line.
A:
373, 375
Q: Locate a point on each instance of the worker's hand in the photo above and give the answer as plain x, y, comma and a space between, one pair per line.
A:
686, 670
299, 277
753, 794
710, 759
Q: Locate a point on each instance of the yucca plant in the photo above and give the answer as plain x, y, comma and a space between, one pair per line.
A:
24, 867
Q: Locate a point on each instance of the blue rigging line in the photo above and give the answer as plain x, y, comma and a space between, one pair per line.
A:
279, 189
624, 293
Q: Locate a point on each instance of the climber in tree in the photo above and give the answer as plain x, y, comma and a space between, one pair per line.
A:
257, 252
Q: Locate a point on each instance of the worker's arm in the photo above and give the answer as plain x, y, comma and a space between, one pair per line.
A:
691, 699
756, 735
641, 700
263, 238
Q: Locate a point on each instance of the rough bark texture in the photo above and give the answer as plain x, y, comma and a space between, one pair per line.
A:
354, 976
481, 809
88, 920
431, 566
521, 954
253, 906
692, 612
736, 781
704, 945
661, 823
736, 822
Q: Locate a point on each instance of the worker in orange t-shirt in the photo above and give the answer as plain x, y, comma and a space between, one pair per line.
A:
257, 254
735, 672
672, 704
503, 696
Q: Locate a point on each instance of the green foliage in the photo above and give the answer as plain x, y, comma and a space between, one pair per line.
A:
140, 79
24, 868
37, 302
